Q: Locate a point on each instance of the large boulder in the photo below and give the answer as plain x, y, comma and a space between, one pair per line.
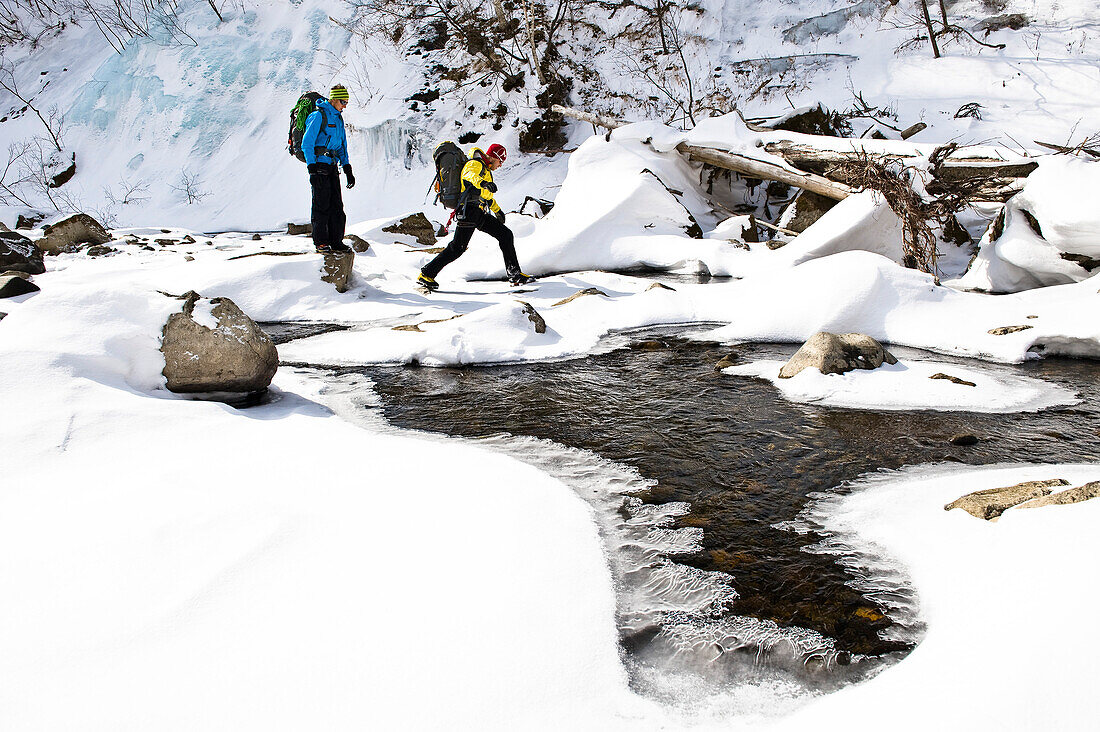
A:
72, 234
1085, 492
211, 346
415, 225
12, 285
804, 211
837, 354
990, 504
18, 253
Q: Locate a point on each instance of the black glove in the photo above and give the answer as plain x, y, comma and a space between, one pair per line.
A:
350, 177
500, 216
489, 186
317, 169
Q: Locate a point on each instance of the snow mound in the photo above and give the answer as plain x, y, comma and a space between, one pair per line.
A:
493, 334
1048, 234
87, 333
913, 385
979, 584
863, 221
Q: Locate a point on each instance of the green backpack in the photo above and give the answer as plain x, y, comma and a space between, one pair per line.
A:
305, 106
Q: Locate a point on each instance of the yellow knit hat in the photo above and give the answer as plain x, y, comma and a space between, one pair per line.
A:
339, 92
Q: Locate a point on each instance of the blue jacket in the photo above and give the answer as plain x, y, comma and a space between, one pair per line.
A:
331, 138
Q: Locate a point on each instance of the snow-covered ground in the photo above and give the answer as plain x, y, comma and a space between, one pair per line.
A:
179, 564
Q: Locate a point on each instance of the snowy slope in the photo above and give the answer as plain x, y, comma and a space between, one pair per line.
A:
214, 110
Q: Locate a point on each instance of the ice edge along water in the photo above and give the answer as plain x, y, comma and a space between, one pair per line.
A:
708, 661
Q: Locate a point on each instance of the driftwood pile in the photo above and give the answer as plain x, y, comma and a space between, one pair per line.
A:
836, 167
826, 171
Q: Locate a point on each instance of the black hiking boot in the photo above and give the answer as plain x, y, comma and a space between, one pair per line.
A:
337, 248
518, 278
427, 283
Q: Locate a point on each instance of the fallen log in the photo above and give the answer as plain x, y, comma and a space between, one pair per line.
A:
996, 180
767, 171
731, 161
952, 169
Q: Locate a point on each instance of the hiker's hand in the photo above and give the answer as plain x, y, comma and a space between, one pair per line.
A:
500, 216
489, 186
350, 177
317, 169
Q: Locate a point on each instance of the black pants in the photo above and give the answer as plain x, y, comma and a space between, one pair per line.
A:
327, 215
472, 217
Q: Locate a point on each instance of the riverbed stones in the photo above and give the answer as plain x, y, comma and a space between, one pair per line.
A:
990, 504
13, 285
730, 359
1007, 329
19, 253
233, 356
415, 225
72, 234
582, 293
952, 379
358, 243
1064, 498
533, 315
336, 269
28, 222
833, 353
804, 211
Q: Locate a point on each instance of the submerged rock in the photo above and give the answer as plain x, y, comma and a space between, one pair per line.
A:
730, 359
19, 253
232, 356
989, 504
837, 354
337, 268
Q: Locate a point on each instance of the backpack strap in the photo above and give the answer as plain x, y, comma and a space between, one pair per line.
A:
324, 128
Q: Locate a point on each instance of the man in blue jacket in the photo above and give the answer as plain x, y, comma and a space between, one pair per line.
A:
325, 146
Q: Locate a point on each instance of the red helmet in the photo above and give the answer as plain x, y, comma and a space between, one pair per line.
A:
497, 151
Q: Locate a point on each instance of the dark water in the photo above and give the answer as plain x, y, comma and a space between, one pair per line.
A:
741, 456
729, 457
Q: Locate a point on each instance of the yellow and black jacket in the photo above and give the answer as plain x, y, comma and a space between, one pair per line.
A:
475, 174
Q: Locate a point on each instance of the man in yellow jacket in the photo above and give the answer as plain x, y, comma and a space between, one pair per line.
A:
478, 209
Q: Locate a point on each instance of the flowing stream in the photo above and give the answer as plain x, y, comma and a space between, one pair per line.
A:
699, 481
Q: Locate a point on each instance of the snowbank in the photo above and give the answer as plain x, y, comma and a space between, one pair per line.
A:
184, 565
1049, 233
999, 652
